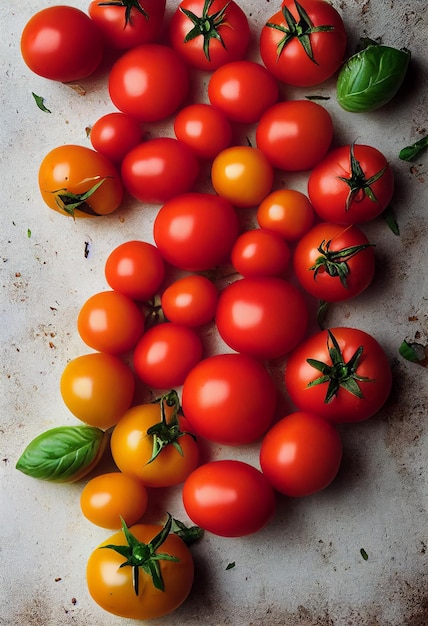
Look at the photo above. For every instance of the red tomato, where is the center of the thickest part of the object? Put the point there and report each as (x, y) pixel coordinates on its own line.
(204, 128)
(158, 169)
(61, 43)
(115, 134)
(190, 300)
(301, 454)
(262, 316)
(149, 82)
(260, 252)
(243, 90)
(209, 33)
(352, 184)
(342, 374)
(136, 269)
(304, 43)
(165, 355)
(229, 399)
(125, 24)
(196, 231)
(295, 135)
(228, 498)
(286, 211)
(110, 322)
(334, 263)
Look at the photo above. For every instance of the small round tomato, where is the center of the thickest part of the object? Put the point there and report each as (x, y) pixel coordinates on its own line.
(295, 135)
(109, 497)
(149, 82)
(110, 322)
(125, 24)
(152, 442)
(97, 388)
(136, 269)
(229, 498)
(287, 212)
(262, 315)
(243, 175)
(342, 374)
(61, 43)
(158, 169)
(204, 128)
(190, 300)
(196, 231)
(229, 399)
(243, 90)
(209, 33)
(352, 184)
(304, 43)
(260, 252)
(165, 355)
(80, 182)
(333, 262)
(115, 134)
(301, 454)
(121, 578)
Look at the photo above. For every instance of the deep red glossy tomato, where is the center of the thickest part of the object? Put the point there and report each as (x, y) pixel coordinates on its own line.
(209, 33)
(260, 252)
(243, 90)
(262, 316)
(158, 169)
(342, 374)
(61, 43)
(286, 211)
(196, 231)
(149, 82)
(229, 399)
(301, 454)
(304, 43)
(190, 300)
(115, 134)
(352, 184)
(228, 498)
(295, 135)
(204, 128)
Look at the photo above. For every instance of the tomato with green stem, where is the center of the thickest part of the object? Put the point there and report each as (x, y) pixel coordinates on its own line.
(288, 212)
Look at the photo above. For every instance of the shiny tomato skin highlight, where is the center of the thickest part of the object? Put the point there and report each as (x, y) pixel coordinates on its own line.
(115, 134)
(260, 252)
(288, 212)
(190, 300)
(204, 128)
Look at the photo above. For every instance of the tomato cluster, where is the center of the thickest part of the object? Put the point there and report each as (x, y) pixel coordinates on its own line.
(207, 270)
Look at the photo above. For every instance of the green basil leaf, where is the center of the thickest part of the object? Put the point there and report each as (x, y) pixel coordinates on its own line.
(63, 454)
(40, 101)
(409, 153)
(371, 78)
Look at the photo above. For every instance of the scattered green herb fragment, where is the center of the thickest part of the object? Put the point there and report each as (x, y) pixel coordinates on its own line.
(414, 352)
(389, 217)
(364, 554)
(188, 534)
(230, 565)
(409, 153)
(28, 233)
(40, 101)
(317, 97)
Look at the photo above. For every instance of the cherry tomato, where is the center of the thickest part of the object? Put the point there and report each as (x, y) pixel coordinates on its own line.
(204, 128)
(260, 252)
(287, 212)
(342, 374)
(190, 300)
(352, 184)
(243, 175)
(152, 442)
(136, 269)
(113, 585)
(165, 355)
(196, 231)
(243, 90)
(229, 399)
(79, 182)
(301, 454)
(304, 43)
(149, 82)
(115, 134)
(97, 388)
(125, 24)
(333, 262)
(61, 43)
(209, 33)
(295, 135)
(262, 316)
(109, 497)
(110, 322)
(229, 498)
(158, 169)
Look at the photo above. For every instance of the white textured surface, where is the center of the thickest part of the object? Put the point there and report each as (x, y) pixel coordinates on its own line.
(305, 568)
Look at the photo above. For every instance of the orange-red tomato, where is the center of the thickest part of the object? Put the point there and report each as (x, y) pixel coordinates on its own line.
(286, 211)
(191, 300)
(204, 128)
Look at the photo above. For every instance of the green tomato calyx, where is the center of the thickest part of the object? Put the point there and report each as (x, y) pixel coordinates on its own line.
(69, 201)
(359, 185)
(128, 5)
(206, 25)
